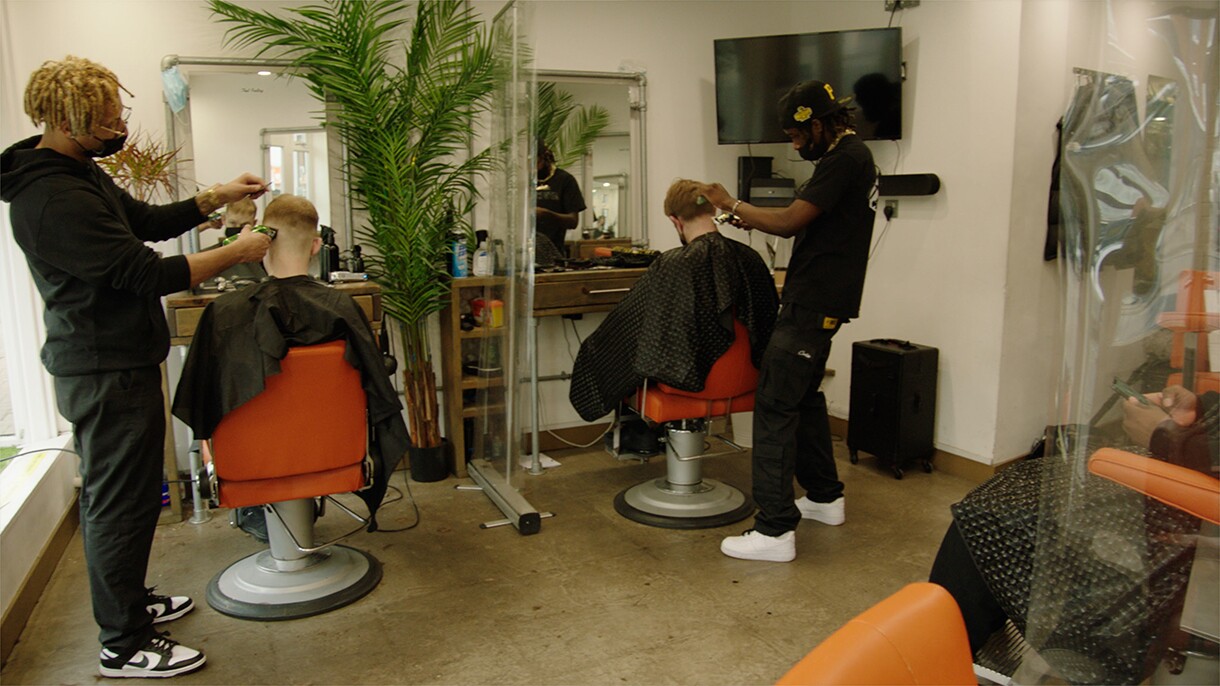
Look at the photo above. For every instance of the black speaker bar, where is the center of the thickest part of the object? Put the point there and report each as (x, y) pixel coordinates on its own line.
(908, 184)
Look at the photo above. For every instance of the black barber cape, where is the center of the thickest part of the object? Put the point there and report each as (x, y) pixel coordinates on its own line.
(675, 323)
(243, 335)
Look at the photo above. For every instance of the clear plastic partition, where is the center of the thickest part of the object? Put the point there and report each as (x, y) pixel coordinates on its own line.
(501, 414)
(1122, 587)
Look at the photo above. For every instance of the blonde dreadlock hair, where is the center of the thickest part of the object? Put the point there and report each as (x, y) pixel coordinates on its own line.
(74, 90)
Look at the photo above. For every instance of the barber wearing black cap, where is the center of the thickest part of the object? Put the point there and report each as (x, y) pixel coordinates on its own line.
(832, 220)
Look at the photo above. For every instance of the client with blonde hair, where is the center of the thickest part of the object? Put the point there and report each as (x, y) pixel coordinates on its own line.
(678, 318)
(253, 328)
(239, 214)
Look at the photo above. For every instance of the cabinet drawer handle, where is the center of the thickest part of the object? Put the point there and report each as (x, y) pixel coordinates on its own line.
(603, 291)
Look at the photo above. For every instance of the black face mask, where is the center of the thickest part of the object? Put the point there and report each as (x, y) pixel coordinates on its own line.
(812, 151)
(109, 147)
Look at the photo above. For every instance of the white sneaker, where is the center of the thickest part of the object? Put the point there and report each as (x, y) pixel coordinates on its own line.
(755, 546)
(160, 657)
(831, 513)
(166, 608)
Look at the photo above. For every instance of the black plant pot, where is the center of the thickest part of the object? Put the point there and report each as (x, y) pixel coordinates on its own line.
(429, 464)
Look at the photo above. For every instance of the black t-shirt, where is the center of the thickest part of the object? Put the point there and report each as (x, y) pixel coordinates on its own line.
(826, 272)
(560, 194)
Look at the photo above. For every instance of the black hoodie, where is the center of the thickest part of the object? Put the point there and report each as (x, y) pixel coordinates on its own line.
(83, 238)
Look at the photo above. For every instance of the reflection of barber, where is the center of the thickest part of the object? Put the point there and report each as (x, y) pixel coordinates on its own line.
(560, 201)
(106, 336)
(832, 220)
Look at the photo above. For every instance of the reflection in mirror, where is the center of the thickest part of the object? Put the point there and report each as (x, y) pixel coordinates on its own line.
(609, 203)
(616, 156)
(295, 162)
(237, 111)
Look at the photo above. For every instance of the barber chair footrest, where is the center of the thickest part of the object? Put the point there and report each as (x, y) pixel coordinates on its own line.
(710, 505)
(251, 588)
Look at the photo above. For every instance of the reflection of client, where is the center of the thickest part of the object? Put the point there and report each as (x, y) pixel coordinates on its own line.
(252, 329)
(1020, 534)
(560, 201)
(678, 318)
(238, 215)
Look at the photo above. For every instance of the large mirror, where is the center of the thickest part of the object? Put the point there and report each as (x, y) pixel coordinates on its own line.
(251, 115)
(612, 176)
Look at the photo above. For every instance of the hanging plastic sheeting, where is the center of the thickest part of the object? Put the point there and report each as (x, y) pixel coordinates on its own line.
(1109, 573)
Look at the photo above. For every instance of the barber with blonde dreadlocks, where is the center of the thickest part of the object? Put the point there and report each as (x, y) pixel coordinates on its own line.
(832, 220)
(84, 239)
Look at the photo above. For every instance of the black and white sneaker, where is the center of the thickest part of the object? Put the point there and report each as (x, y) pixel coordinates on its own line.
(168, 608)
(160, 657)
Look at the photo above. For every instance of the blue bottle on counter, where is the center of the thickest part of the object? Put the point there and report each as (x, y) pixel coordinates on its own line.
(458, 265)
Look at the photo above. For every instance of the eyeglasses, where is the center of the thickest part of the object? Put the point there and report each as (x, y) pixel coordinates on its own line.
(124, 117)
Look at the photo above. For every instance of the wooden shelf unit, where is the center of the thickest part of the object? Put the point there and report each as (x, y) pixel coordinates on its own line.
(555, 293)
(456, 346)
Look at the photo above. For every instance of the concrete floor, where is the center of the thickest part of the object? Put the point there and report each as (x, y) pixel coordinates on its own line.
(592, 599)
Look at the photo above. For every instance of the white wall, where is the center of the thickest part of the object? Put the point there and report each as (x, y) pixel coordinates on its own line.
(947, 272)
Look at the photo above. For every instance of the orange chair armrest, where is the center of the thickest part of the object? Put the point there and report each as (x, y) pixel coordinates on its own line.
(1186, 489)
(915, 636)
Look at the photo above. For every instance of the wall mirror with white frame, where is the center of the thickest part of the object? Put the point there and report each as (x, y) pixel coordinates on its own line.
(251, 115)
(613, 176)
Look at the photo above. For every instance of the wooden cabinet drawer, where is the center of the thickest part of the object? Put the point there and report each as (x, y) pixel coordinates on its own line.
(589, 292)
(183, 321)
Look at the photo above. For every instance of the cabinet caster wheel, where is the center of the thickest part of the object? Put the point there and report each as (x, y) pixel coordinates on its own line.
(927, 466)
(898, 473)
(854, 456)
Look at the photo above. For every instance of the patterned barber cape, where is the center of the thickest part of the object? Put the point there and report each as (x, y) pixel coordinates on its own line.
(675, 323)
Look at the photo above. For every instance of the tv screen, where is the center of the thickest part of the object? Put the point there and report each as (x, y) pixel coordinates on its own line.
(753, 73)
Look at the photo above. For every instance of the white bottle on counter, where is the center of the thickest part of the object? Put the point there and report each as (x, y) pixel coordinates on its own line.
(482, 260)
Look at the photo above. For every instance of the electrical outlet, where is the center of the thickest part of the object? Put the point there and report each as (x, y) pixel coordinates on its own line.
(891, 5)
(891, 208)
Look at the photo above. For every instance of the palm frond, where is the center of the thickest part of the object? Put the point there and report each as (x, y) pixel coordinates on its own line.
(406, 112)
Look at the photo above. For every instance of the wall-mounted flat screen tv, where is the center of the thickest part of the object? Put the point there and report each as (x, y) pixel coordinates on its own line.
(753, 73)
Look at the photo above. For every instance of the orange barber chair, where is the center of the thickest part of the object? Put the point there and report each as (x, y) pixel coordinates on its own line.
(916, 636)
(1196, 494)
(304, 437)
(683, 499)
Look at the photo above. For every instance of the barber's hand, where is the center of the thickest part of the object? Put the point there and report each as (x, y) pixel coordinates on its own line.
(717, 195)
(1139, 421)
(246, 185)
(251, 247)
(1181, 404)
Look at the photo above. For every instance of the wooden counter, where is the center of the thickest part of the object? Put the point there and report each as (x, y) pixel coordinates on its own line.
(183, 310)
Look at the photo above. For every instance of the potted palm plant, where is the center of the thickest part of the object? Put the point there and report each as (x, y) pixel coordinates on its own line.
(568, 127)
(404, 93)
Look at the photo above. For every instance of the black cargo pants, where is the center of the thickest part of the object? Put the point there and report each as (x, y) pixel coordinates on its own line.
(791, 425)
(119, 424)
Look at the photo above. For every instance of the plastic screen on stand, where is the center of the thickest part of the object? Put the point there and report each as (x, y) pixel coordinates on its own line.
(1102, 580)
